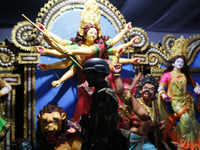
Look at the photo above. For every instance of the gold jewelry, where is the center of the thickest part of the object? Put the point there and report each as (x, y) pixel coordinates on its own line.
(179, 79)
(90, 15)
(64, 42)
(127, 111)
(59, 80)
(176, 70)
(117, 74)
(1, 94)
(92, 48)
(162, 84)
(117, 55)
(49, 66)
(180, 48)
(2, 83)
(128, 95)
(147, 108)
(111, 41)
(162, 92)
(80, 59)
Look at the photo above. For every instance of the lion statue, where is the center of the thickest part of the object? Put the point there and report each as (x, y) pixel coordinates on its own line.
(52, 129)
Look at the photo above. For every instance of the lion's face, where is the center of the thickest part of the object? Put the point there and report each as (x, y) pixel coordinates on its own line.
(51, 125)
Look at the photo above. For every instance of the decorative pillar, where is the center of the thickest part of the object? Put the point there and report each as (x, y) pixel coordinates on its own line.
(29, 60)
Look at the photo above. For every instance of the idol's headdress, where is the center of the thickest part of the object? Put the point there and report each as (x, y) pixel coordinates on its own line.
(180, 48)
(90, 15)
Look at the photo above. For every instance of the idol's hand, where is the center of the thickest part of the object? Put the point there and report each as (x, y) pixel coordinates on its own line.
(71, 130)
(43, 67)
(126, 125)
(46, 35)
(67, 51)
(197, 89)
(134, 40)
(162, 125)
(117, 68)
(56, 84)
(42, 27)
(166, 97)
(121, 50)
(41, 49)
(128, 27)
(136, 60)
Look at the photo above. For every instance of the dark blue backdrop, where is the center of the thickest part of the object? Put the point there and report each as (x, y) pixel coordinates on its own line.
(157, 17)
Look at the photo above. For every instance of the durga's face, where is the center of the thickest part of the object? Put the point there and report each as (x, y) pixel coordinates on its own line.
(91, 34)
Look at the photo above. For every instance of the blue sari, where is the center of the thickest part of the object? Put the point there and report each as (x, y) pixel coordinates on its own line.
(140, 143)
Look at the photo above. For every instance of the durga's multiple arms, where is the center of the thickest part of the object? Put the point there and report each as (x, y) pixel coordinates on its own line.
(55, 44)
(70, 73)
(48, 36)
(61, 51)
(42, 29)
(120, 35)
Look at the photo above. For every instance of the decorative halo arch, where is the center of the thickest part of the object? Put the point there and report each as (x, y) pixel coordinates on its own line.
(54, 9)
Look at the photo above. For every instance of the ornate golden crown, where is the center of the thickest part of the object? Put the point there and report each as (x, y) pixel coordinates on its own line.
(180, 48)
(90, 15)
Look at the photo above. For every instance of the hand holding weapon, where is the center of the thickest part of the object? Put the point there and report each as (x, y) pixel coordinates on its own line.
(52, 41)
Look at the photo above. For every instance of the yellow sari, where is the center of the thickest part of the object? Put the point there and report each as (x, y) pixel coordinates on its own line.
(187, 131)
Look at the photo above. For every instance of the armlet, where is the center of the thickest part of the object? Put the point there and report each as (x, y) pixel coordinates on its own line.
(2, 83)
(109, 42)
(128, 96)
(162, 84)
(161, 92)
(65, 42)
(94, 49)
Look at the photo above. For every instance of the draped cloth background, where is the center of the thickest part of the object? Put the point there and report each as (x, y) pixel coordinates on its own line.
(156, 17)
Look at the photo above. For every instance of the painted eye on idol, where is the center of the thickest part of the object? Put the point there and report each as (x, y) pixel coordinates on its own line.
(55, 121)
(91, 34)
(179, 63)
